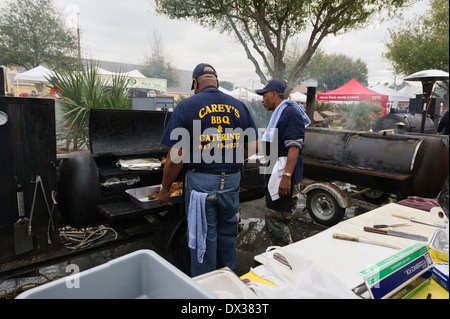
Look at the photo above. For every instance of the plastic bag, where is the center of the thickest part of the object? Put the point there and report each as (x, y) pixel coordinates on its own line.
(306, 280)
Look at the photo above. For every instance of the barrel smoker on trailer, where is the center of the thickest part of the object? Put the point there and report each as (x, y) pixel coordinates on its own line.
(406, 123)
(87, 188)
(399, 164)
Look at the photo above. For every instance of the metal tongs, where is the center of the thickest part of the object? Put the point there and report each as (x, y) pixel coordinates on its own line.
(38, 180)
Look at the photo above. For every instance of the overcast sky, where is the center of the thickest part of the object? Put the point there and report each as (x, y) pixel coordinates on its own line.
(122, 31)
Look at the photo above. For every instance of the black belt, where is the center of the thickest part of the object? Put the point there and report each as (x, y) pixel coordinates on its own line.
(217, 173)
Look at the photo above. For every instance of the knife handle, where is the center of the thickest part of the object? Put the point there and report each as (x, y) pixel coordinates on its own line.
(345, 237)
(375, 230)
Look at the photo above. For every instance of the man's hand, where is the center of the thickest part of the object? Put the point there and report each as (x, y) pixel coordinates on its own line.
(285, 186)
(163, 198)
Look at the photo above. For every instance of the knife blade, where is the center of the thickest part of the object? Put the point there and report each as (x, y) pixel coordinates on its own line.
(415, 220)
(395, 233)
(357, 239)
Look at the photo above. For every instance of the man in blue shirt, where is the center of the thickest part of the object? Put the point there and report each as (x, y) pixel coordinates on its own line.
(286, 129)
(210, 133)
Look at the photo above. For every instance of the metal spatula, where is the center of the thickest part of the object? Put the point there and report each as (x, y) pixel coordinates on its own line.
(22, 242)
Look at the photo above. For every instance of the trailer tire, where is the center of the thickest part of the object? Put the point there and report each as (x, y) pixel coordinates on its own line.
(375, 197)
(182, 253)
(323, 207)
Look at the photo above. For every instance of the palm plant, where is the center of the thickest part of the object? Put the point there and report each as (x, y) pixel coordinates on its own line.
(82, 90)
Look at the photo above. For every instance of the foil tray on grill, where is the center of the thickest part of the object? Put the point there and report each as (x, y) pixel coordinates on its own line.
(139, 196)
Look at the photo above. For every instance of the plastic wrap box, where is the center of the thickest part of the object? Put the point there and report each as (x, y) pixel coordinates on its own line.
(140, 275)
(440, 274)
(400, 276)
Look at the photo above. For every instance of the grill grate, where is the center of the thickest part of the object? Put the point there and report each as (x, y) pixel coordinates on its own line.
(118, 209)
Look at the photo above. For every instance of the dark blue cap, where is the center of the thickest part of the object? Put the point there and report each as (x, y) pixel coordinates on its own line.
(273, 85)
(200, 70)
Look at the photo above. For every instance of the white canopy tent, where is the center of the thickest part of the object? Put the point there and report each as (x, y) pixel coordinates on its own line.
(38, 74)
(297, 96)
(131, 74)
(103, 71)
(137, 80)
(224, 90)
(408, 91)
(135, 74)
(243, 94)
(394, 95)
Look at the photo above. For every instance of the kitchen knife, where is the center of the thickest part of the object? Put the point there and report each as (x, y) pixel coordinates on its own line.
(395, 233)
(357, 239)
(415, 220)
(392, 225)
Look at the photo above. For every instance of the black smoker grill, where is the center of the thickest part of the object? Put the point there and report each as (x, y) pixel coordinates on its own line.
(27, 157)
(92, 186)
(404, 165)
(88, 187)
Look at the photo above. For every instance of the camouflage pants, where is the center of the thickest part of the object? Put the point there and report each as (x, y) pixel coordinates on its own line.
(277, 222)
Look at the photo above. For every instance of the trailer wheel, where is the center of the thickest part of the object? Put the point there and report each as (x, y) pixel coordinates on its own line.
(375, 197)
(323, 207)
(182, 253)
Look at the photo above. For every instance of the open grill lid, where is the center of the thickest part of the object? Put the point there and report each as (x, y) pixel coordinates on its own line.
(126, 132)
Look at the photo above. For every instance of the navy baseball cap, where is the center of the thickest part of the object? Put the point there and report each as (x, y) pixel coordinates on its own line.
(200, 70)
(273, 85)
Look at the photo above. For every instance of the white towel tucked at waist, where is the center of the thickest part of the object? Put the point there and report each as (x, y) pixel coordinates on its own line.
(275, 178)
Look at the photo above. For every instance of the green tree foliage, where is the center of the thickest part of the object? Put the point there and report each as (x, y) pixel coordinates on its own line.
(32, 33)
(263, 27)
(156, 65)
(334, 70)
(423, 43)
(227, 85)
(82, 90)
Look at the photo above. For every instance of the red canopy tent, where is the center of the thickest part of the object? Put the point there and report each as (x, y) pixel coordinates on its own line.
(351, 92)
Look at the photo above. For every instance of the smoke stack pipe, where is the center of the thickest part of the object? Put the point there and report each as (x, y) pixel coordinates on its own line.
(2, 82)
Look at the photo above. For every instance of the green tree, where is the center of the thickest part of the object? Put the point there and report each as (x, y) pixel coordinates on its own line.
(423, 43)
(227, 85)
(32, 33)
(156, 65)
(263, 27)
(334, 70)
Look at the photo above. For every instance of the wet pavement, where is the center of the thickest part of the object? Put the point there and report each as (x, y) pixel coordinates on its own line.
(251, 242)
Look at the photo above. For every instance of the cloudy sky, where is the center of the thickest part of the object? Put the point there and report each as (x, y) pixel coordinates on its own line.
(122, 31)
